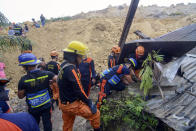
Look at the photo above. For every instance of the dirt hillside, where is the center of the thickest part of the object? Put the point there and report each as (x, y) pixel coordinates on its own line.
(100, 34)
(152, 11)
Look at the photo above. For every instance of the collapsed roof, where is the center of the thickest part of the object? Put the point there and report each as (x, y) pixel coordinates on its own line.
(177, 110)
(178, 77)
(173, 44)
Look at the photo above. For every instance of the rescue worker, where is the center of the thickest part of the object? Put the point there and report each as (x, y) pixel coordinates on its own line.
(115, 78)
(26, 28)
(113, 57)
(4, 107)
(139, 56)
(17, 29)
(73, 100)
(10, 31)
(53, 66)
(34, 86)
(35, 23)
(14, 121)
(88, 74)
(3, 81)
(43, 20)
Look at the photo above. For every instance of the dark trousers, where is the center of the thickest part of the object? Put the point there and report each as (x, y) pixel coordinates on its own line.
(46, 118)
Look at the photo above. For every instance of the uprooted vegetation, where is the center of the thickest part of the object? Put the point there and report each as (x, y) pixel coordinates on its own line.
(146, 73)
(129, 110)
(126, 113)
(7, 42)
(13, 45)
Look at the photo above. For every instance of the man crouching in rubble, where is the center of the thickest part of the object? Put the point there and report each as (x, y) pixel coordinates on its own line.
(115, 78)
(73, 100)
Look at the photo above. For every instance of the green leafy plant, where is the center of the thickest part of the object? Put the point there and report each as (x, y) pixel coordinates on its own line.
(146, 73)
(65, 18)
(129, 111)
(7, 43)
(176, 14)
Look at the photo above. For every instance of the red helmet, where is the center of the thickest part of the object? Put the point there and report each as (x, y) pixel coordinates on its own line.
(116, 49)
(140, 50)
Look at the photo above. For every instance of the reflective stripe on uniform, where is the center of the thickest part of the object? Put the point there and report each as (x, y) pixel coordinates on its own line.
(101, 93)
(89, 60)
(114, 82)
(132, 62)
(115, 79)
(38, 96)
(105, 72)
(41, 104)
(42, 77)
(102, 75)
(17, 28)
(114, 62)
(79, 84)
(111, 65)
(29, 80)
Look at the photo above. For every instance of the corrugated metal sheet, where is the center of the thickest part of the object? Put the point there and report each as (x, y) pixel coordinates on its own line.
(189, 69)
(193, 51)
(179, 109)
(187, 33)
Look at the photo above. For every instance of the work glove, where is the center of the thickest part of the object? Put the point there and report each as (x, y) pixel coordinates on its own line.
(92, 106)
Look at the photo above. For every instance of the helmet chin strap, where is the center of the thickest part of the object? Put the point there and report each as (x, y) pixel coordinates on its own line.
(26, 68)
(76, 62)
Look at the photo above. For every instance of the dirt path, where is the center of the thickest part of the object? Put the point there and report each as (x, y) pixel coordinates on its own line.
(80, 123)
(57, 121)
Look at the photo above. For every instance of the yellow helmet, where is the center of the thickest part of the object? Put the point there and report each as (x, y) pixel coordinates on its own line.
(76, 47)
